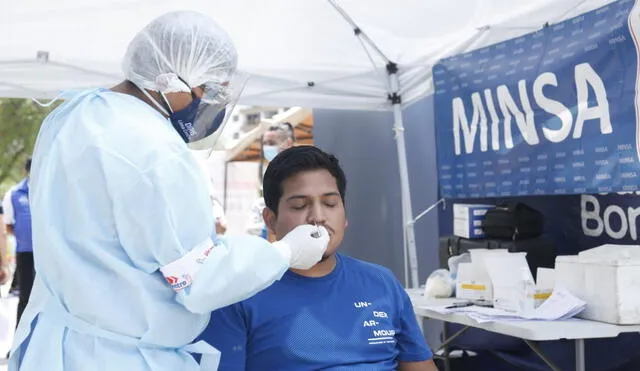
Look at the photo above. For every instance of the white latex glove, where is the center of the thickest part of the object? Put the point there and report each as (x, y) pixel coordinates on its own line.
(304, 245)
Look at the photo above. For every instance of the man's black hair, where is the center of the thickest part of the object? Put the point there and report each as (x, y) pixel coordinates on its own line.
(27, 165)
(293, 161)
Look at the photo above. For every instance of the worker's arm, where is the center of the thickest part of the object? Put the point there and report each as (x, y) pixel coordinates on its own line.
(235, 269)
(167, 229)
(8, 217)
(428, 365)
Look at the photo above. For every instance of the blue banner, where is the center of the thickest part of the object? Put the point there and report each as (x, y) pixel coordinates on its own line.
(576, 222)
(549, 113)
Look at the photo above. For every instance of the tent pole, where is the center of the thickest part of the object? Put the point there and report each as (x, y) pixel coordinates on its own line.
(395, 97)
(410, 253)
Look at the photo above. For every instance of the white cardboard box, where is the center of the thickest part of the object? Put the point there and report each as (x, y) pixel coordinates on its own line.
(606, 278)
(611, 276)
(467, 220)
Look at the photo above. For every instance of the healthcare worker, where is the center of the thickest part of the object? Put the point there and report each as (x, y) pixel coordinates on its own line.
(130, 266)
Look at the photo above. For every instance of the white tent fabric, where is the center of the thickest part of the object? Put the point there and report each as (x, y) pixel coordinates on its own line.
(286, 45)
(298, 52)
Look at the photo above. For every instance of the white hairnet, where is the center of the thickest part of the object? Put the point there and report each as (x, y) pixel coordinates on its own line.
(180, 45)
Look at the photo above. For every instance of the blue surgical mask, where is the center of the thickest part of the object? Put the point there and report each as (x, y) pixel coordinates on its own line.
(198, 120)
(183, 119)
(270, 152)
(190, 123)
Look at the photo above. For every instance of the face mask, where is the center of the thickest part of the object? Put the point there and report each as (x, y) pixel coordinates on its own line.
(188, 121)
(183, 120)
(196, 121)
(270, 152)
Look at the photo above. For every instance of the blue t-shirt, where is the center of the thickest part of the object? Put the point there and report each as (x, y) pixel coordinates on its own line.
(22, 217)
(356, 318)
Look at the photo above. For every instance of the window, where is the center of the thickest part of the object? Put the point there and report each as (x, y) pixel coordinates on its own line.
(269, 114)
(253, 119)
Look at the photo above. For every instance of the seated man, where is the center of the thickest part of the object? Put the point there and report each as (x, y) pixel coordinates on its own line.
(343, 314)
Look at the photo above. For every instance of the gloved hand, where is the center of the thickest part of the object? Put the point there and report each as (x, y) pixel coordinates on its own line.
(301, 248)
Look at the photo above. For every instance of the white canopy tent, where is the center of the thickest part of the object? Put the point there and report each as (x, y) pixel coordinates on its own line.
(345, 54)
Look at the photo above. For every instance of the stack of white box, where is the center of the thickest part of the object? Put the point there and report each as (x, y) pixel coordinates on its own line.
(467, 220)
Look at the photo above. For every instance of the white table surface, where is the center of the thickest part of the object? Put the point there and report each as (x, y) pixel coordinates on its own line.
(528, 330)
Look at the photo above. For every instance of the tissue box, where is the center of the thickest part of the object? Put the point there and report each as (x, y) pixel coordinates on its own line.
(467, 220)
(611, 274)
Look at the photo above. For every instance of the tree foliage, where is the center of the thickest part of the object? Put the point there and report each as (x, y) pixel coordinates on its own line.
(20, 120)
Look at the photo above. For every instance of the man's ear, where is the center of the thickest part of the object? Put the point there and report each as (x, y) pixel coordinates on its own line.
(269, 219)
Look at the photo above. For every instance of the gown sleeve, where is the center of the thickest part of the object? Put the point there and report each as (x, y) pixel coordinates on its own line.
(165, 224)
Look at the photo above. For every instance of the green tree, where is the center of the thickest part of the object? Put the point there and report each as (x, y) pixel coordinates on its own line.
(20, 120)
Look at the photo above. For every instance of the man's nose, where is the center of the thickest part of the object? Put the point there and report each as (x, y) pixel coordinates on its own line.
(317, 215)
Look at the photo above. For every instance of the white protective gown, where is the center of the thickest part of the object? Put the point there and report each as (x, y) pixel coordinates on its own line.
(116, 196)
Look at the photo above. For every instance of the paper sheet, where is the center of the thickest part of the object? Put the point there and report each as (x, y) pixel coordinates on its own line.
(560, 306)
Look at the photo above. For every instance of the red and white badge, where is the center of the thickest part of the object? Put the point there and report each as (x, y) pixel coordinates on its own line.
(179, 273)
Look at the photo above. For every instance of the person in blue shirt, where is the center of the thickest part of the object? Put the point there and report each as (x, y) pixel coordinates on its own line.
(17, 218)
(342, 314)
